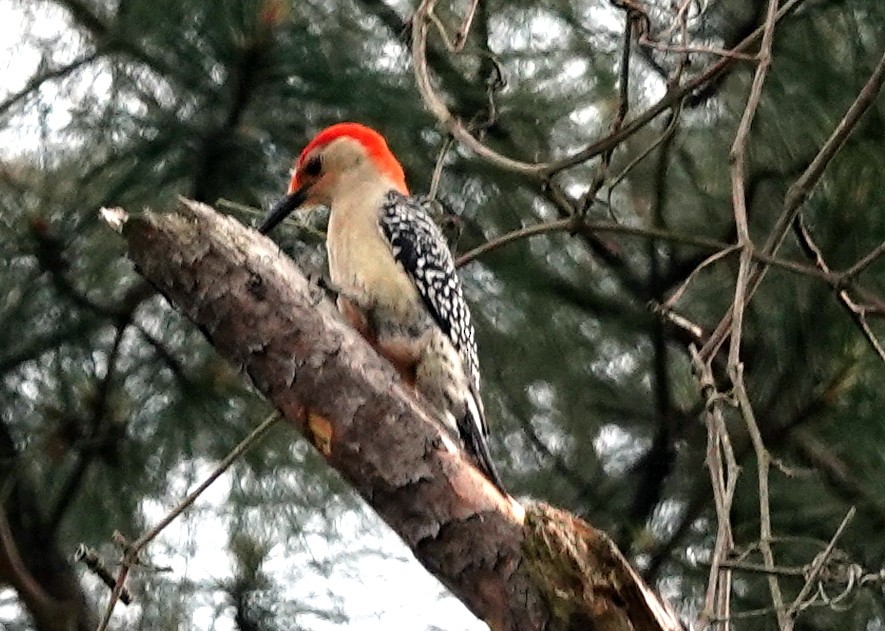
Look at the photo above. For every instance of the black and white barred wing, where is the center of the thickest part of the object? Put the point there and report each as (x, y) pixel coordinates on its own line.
(419, 246)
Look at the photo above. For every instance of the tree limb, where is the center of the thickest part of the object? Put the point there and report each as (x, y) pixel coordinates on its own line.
(515, 567)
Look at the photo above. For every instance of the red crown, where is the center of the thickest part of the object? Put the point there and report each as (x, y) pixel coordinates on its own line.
(370, 139)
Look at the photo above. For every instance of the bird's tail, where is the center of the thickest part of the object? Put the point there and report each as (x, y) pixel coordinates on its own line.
(473, 433)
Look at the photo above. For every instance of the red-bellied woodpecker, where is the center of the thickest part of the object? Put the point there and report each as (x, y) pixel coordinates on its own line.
(394, 273)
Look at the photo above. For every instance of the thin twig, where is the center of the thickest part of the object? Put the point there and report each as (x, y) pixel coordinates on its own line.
(571, 224)
(864, 263)
(132, 551)
(735, 365)
(684, 57)
(713, 258)
(46, 75)
(763, 464)
(116, 593)
(857, 312)
(624, 78)
(464, 30)
(744, 615)
(438, 108)
(441, 29)
(801, 189)
(623, 108)
(438, 167)
(816, 568)
(223, 466)
(701, 50)
(668, 131)
(679, 20)
(678, 320)
(544, 170)
(91, 559)
(738, 195)
(723, 479)
(756, 568)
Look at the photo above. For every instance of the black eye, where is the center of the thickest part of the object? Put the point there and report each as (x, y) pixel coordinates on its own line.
(312, 167)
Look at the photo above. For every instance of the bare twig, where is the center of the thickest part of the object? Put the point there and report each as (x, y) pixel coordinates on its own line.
(438, 167)
(665, 135)
(623, 78)
(701, 50)
(577, 225)
(680, 19)
(763, 464)
(744, 566)
(713, 258)
(744, 615)
(817, 567)
(678, 320)
(864, 263)
(571, 224)
(90, 558)
(738, 196)
(826, 568)
(438, 108)
(116, 594)
(130, 556)
(801, 189)
(735, 365)
(857, 312)
(602, 170)
(544, 170)
(723, 478)
(42, 77)
(223, 466)
(462, 32)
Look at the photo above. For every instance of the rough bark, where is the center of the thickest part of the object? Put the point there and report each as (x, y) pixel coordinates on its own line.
(520, 568)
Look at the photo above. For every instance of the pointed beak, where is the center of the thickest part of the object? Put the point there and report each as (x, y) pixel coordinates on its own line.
(283, 209)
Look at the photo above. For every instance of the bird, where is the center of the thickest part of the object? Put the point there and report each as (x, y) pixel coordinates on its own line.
(394, 274)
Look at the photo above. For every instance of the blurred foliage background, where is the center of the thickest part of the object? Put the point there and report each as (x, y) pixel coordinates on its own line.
(112, 404)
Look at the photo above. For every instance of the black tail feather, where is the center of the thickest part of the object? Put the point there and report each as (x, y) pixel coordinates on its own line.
(477, 447)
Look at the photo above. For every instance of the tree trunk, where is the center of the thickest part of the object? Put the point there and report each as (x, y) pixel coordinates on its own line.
(30, 561)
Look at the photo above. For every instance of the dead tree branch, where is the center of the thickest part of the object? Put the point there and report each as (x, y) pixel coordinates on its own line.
(515, 567)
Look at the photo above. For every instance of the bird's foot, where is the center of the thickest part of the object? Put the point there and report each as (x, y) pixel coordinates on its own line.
(319, 287)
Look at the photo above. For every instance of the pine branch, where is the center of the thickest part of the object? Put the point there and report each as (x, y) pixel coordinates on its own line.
(515, 567)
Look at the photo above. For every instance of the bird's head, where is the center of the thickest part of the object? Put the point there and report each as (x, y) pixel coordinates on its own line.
(339, 156)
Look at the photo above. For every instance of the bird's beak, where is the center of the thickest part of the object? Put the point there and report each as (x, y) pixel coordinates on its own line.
(284, 208)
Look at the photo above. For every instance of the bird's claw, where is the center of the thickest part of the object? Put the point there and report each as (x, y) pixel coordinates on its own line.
(317, 288)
